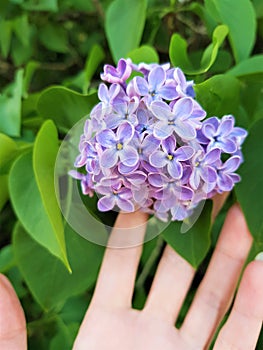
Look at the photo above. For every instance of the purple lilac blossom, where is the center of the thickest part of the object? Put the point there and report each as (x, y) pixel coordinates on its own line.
(147, 144)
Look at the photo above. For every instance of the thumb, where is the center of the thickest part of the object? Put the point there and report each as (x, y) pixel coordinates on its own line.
(12, 318)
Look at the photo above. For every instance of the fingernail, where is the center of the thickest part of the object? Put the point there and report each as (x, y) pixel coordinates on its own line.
(259, 256)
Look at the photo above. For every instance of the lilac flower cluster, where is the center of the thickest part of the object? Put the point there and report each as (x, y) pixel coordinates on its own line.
(148, 146)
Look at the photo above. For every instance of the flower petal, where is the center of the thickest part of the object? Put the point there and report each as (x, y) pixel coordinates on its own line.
(194, 179)
(169, 144)
(150, 144)
(161, 110)
(225, 182)
(185, 130)
(125, 132)
(184, 193)
(168, 92)
(124, 169)
(125, 205)
(113, 120)
(212, 156)
(129, 156)
(125, 193)
(180, 77)
(175, 169)
(156, 78)
(183, 108)
(157, 179)
(228, 145)
(208, 174)
(158, 159)
(109, 158)
(141, 86)
(179, 212)
(162, 130)
(226, 125)
(106, 138)
(106, 203)
(231, 164)
(137, 178)
(124, 69)
(103, 92)
(184, 153)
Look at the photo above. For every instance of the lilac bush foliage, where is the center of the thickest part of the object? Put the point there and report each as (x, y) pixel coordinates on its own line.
(148, 145)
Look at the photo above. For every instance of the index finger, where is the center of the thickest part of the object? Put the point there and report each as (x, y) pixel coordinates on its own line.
(117, 275)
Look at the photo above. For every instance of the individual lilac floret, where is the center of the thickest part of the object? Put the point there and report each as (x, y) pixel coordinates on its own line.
(147, 145)
(90, 158)
(156, 88)
(226, 176)
(114, 194)
(171, 157)
(106, 97)
(119, 74)
(183, 87)
(176, 120)
(117, 146)
(86, 182)
(124, 111)
(221, 133)
(204, 169)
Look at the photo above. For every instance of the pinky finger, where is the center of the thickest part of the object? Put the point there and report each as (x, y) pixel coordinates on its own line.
(243, 326)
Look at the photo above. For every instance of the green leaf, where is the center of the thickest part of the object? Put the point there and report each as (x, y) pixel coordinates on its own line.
(8, 150)
(144, 53)
(178, 54)
(7, 260)
(179, 57)
(252, 96)
(66, 107)
(22, 30)
(258, 6)
(210, 53)
(30, 69)
(20, 53)
(10, 106)
(65, 335)
(40, 5)
(30, 209)
(252, 65)
(250, 190)
(44, 158)
(46, 277)
(239, 16)
(219, 95)
(194, 244)
(4, 195)
(96, 56)
(54, 37)
(124, 26)
(5, 37)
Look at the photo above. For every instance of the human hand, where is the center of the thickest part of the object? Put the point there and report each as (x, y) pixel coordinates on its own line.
(111, 323)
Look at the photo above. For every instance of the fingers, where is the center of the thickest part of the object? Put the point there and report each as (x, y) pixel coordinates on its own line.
(12, 319)
(170, 286)
(218, 202)
(215, 293)
(242, 329)
(119, 267)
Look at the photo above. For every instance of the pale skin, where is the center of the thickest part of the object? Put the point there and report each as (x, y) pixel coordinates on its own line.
(111, 323)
